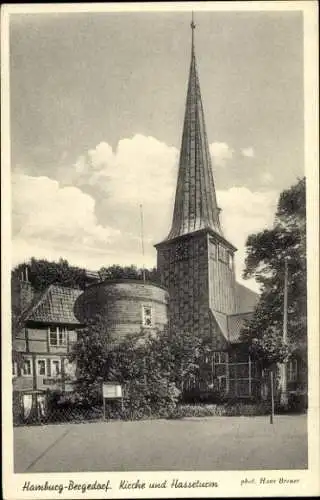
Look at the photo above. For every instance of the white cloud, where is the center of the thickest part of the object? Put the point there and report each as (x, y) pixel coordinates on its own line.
(249, 152)
(221, 153)
(141, 170)
(50, 221)
(245, 212)
(134, 172)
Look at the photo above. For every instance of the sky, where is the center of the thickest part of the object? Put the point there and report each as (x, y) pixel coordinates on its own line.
(96, 111)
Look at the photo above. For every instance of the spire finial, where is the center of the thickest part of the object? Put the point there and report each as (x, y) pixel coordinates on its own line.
(193, 27)
(192, 22)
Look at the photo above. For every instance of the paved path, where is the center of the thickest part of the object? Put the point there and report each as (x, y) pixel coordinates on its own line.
(216, 443)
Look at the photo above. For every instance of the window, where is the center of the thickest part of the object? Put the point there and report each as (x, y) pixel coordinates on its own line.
(147, 316)
(292, 370)
(57, 336)
(55, 367)
(222, 383)
(223, 254)
(213, 250)
(219, 357)
(230, 260)
(14, 369)
(27, 368)
(41, 367)
(181, 251)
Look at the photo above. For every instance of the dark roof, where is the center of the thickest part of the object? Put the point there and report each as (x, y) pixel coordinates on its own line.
(222, 321)
(195, 201)
(56, 305)
(124, 281)
(235, 324)
(230, 325)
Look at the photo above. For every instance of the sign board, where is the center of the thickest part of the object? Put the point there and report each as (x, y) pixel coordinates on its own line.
(111, 391)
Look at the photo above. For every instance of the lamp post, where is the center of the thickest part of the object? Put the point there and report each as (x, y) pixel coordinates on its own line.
(283, 367)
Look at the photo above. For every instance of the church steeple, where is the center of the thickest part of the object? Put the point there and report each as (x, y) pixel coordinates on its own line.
(195, 202)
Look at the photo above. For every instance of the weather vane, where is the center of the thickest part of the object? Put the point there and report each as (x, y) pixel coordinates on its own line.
(192, 23)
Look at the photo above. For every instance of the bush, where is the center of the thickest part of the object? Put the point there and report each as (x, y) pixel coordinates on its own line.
(220, 410)
(201, 397)
(297, 402)
(155, 399)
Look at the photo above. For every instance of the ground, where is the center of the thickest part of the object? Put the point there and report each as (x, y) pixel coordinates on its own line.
(216, 443)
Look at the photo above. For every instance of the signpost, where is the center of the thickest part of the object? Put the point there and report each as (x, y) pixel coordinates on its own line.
(113, 391)
(272, 397)
(283, 367)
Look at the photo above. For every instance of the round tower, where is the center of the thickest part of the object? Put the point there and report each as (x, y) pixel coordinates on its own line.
(128, 306)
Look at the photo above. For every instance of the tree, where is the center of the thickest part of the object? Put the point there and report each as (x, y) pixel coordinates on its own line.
(151, 368)
(180, 352)
(94, 356)
(266, 253)
(128, 272)
(43, 273)
(133, 361)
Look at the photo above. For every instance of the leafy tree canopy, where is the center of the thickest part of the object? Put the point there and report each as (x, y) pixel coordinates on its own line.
(131, 272)
(152, 368)
(42, 273)
(265, 261)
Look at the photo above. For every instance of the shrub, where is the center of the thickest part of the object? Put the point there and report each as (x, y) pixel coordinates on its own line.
(297, 402)
(155, 399)
(219, 410)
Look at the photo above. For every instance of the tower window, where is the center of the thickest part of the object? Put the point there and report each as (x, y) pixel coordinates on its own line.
(213, 250)
(230, 260)
(223, 254)
(147, 316)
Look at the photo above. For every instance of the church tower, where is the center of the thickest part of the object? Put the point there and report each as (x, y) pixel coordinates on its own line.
(196, 261)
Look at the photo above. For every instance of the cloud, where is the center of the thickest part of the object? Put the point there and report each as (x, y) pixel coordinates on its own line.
(133, 172)
(221, 153)
(96, 222)
(245, 212)
(140, 171)
(52, 221)
(249, 152)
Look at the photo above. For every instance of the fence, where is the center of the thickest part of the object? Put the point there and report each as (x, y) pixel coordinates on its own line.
(225, 379)
(38, 410)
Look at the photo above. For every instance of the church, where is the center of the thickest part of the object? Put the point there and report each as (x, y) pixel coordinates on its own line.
(196, 261)
(198, 291)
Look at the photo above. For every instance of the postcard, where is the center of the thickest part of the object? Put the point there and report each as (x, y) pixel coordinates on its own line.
(160, 264)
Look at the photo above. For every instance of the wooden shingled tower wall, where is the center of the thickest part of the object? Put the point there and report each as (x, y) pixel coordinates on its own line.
(195, 261)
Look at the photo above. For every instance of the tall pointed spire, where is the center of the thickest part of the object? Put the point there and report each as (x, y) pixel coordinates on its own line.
(195, 202)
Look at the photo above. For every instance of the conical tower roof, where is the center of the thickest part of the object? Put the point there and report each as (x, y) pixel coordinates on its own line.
(195, 202)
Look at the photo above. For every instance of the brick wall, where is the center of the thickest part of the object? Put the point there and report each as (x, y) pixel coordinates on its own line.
(197, 280)
(121, 304)
(183, 268)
